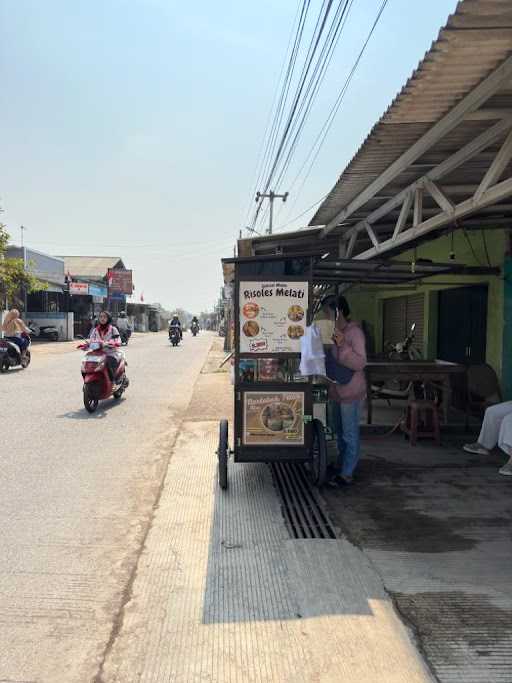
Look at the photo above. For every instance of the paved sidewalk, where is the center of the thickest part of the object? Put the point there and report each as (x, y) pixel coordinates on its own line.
(222, 594)
(435, 523)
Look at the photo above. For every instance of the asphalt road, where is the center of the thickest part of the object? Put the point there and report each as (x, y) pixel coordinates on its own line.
(77, 497)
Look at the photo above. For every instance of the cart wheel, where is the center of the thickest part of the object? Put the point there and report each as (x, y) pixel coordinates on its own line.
(222, 453)
(317, 467)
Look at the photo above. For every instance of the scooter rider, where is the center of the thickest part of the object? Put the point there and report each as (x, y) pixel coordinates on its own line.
(123, 325)
(195, 322)
(175, 322)
(108, 334)
(15, 330)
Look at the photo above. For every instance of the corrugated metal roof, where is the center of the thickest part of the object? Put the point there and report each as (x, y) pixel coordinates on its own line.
(474, 42)
(91, 266)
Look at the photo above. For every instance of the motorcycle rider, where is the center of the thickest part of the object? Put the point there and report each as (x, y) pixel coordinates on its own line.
(123, 325)
(194, 322)
(175, 322)
(108, 334)
(15, 330)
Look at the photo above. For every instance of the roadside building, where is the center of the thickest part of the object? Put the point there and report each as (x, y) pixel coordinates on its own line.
(93, 285)
(431, 187)
(49, 306)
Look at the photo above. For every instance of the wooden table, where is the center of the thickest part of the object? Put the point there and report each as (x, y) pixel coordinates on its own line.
(435, 371)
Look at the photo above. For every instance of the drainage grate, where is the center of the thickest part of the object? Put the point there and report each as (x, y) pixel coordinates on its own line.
(302, 510)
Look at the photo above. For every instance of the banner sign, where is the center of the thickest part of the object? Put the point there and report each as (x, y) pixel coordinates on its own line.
(117, 296)
(78, 288)
(272, 316)
(120, 281)
(97, 290)
(274, 418)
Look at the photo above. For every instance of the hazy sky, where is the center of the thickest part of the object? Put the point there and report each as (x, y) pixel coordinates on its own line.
(133, 127)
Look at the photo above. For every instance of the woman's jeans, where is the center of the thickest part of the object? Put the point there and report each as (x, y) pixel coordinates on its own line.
(346, 423)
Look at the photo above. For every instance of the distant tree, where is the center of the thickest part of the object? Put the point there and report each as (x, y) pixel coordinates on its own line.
(13, 276)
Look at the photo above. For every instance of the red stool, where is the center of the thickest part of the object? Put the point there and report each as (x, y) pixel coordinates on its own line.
(422, 421)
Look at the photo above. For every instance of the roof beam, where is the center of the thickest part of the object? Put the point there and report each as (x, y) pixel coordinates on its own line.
(471, 102)
(494, 194)
(441, 199)
(404, 212)
(418, 206)
(372, 235)
(497, 167)
(460, 157)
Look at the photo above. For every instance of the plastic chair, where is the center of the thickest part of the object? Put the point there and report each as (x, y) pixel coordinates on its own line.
(483, 388)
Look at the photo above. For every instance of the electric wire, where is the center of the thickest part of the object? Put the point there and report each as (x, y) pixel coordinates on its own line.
(326, 127)
(264, 141)
(313, 45)
(312, 76)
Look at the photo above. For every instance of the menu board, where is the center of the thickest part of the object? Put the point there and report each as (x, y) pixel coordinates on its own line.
(274, 418)
(272, 316)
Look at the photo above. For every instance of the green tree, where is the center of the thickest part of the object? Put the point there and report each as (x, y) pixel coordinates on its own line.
(13, 276)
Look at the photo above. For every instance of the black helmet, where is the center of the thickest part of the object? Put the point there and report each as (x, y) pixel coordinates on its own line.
(122, 314)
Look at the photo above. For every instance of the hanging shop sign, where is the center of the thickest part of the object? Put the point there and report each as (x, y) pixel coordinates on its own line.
(97, 291)
(120, 281)
(274, 418)
(272, 316)
(79, 288)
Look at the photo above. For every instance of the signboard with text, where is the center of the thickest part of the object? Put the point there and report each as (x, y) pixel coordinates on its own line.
(120, 281)
(97, 291)
(274, 418)
(272, 316)
(79, 288)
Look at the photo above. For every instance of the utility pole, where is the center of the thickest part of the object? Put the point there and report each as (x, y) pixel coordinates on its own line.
(271, 196)
(22, 230)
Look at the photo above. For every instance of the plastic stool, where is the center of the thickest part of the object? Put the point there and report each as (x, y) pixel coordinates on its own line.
(427, 428)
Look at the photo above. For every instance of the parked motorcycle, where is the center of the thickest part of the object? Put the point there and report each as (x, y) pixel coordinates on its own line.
(98, 385)
(400, 351)
(49, 332)
(11, 355)
(174, 335)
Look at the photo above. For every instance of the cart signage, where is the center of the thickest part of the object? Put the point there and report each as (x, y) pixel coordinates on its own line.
(272, 316)
(274, 418)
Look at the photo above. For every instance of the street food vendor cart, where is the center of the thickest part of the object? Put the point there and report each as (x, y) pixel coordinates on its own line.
(279, 414)
(274, 422)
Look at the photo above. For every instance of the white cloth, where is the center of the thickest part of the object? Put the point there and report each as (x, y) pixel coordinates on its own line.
(497, 427)
(312, 354)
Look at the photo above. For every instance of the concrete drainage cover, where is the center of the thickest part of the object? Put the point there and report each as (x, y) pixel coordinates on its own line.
(303, 512)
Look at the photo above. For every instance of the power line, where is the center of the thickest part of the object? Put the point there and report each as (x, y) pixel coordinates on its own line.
(316, 63)
(324, 131)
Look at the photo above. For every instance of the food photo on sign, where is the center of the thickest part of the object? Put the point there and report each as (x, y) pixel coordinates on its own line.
(272, 316)
(273, 417)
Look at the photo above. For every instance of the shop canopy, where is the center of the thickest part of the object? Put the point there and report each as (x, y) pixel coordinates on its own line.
(439, 158)
(327, 272)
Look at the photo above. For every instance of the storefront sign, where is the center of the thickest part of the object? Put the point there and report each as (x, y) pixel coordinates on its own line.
(97, 291)
(274, 418)
(272, 316)
(120, 281)
(117, 296)
(79, 288)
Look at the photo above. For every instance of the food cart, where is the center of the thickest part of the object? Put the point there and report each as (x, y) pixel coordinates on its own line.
(274, 419)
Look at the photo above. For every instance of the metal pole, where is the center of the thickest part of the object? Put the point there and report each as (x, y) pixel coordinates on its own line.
(271, 196)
